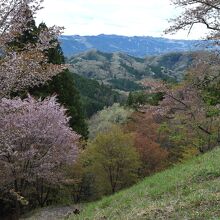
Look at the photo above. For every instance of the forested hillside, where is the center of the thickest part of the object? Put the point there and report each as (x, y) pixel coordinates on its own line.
(95, 96)
(125, 72)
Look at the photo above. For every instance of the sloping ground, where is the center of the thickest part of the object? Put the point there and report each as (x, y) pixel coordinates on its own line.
(104, 67)
(95, 96)
(187, 191)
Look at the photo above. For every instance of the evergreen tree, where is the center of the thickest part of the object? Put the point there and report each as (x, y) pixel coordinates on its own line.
(62, 85)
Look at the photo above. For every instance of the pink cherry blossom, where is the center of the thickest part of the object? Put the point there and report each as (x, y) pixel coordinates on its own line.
(35, 140)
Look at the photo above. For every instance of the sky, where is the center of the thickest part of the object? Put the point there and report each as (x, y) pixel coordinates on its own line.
(121, 17)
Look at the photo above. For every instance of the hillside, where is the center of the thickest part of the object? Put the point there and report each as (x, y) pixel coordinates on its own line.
(95, 96)
(134, 46)
(186, 191)
(111, 68)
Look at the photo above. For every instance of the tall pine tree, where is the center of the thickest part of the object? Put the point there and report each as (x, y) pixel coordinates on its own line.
(64, 86)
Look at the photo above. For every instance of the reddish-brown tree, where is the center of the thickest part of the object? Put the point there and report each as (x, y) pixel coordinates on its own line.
(145, 130)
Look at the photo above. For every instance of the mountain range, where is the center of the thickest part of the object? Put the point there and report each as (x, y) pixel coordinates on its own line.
(125, 72)
(135, 46)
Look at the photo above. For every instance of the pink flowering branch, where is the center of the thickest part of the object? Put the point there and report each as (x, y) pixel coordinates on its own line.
(35, 140)
(22, 69)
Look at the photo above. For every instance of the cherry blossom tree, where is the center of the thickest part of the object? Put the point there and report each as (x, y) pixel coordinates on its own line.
(21, 69)
(35, 139)
(184, 106)
(201, 105)
(35, 143)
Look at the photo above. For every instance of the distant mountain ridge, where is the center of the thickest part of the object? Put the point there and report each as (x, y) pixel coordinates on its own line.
(134, 46)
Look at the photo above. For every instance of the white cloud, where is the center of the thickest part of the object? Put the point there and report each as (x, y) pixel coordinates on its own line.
(122, 17)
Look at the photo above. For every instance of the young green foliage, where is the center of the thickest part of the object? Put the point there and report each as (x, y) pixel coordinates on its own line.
(104, 119)
(113, 160)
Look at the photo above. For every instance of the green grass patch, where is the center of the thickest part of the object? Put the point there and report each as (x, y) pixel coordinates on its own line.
(186, 191)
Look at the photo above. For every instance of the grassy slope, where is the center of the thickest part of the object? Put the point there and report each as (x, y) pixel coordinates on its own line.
(187, 191)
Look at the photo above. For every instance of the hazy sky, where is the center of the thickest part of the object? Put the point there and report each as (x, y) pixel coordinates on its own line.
(122, 17)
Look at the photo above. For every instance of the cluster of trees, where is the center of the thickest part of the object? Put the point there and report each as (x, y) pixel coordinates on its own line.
(146, 141)
(42, 116)
(125, 85)
(62, 84)
(106, 118)
(193, 106)
(95, 96)
(36, 140)
(140, 98)
(171, 122)
(123, 147)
